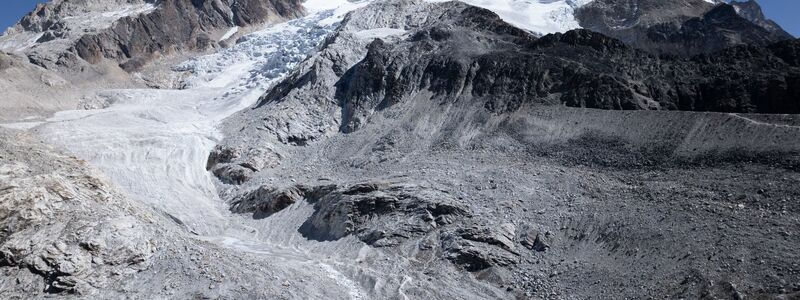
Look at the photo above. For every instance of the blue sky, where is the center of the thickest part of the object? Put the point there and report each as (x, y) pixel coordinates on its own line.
(785, 12)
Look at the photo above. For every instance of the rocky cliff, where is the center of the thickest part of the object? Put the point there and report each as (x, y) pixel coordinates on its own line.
(178, 25)
(478, 58)
(133, 32)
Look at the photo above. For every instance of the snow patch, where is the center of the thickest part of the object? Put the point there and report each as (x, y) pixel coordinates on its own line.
(371, 34)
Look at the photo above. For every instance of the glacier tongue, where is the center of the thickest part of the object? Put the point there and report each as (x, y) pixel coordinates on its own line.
(154, 143)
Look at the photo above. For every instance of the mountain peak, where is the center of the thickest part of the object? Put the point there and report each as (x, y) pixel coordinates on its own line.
(752, 11)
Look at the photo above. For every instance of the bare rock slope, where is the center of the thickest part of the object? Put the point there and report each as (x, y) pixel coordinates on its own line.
(91, 45)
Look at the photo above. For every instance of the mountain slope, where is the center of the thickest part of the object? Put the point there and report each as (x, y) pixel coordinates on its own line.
(683, 27)
(498, 67)
(91, 45)
(133, 32)
(434, 141)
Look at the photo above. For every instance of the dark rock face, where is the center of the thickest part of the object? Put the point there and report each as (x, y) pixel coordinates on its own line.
(481, 246)
(686, 27)
(720, 28)
(371, 211)
(474, 56)
(264, 201)
(176, 25)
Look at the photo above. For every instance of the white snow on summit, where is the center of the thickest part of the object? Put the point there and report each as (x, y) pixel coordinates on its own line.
(91, 19)
(538, 16)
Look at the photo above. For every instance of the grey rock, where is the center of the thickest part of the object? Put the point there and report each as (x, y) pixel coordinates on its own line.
(534, 239)
(265, 201)
(177, 25)
(379, 213)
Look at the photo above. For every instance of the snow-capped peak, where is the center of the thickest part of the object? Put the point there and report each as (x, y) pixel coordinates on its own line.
(538, 16)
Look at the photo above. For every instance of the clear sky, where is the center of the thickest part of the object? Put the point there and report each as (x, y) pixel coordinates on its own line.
(785, 12)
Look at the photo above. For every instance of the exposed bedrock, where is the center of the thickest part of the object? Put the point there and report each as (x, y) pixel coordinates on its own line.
(64, 33)
(509, 69)
(393, 214)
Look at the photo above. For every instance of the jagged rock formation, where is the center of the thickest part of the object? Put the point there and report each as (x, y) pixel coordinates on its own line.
(178, 25)
(133, 32)
(93, 45)
(684, 27)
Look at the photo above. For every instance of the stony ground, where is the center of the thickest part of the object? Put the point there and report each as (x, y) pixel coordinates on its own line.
(550, 219)
(529, 201)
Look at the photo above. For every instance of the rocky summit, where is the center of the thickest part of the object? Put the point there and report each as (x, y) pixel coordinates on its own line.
(399, 149)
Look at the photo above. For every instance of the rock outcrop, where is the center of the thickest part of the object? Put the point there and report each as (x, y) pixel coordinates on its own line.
(178, 25)
(64, 230)
(134, 32)
(751, 11)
